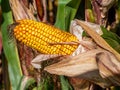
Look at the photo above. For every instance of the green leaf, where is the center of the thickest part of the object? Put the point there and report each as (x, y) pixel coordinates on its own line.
(27, 83)
(66, 12)
(9, 47)
(89, 11)
(65, 84)
(60, 20)
(91, 16)
(117, 88)
(112, 39)
(47, 84)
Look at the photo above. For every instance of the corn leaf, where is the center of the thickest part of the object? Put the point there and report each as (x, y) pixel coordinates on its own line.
(27, 83)
(47, 84)
(9, 47)
(98, 39)
(112, 39)
(66, 12)
(65, 82)
(89, 16)
(110, 34)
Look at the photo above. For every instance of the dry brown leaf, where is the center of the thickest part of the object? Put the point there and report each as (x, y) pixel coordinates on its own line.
(109, 67)
(98, 39)
(80, 84)
(20, 11)
(83, 66)
(36, 62)
(72, 66)
(100, 65)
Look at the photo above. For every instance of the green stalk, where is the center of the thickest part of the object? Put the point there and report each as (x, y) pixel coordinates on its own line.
(9, 47)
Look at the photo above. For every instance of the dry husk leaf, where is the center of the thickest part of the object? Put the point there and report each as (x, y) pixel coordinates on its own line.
(20, 11)
(100, 65)
(36, 62)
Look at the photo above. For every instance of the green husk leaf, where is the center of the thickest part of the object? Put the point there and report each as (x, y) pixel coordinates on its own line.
(9, 47)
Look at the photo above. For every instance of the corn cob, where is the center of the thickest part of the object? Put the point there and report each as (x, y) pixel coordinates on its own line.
(38, 35)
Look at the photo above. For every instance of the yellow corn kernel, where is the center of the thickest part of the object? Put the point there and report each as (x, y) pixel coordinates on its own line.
(38, 35)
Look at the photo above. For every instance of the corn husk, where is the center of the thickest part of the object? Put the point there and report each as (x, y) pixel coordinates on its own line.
(99, 65)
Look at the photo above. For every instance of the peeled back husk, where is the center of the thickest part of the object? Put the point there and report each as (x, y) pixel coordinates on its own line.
(100, 65)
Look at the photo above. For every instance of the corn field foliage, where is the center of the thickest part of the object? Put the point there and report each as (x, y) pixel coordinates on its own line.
(90, 61)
